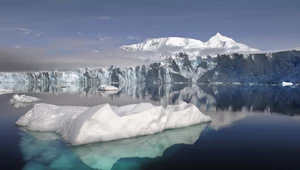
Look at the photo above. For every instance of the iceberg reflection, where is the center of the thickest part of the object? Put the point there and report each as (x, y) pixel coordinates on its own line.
(48, 151)
(105, 155)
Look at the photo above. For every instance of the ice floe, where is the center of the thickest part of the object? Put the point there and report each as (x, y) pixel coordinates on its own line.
(83, 125)
(5, 91)
(108, 88)
(287, 84)
(23, 99)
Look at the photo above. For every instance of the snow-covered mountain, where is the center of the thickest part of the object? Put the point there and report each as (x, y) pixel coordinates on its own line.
(163, 48)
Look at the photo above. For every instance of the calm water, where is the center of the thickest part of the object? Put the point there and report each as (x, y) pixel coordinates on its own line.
(253, 127)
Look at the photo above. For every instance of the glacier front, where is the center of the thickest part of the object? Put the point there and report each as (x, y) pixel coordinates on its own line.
(257, 68)
(82, 125)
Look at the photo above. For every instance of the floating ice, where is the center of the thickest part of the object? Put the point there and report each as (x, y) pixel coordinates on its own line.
(287, 84)
(82, 125)
(108, 88)
(23, 99)
(5, 91)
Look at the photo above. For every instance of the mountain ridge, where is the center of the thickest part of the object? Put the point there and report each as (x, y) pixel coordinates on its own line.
(162, 48)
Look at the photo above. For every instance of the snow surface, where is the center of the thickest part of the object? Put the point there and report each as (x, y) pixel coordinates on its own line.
(23, 99)
(163, 48)
(82, 125)
(287, 84)
(108, 88)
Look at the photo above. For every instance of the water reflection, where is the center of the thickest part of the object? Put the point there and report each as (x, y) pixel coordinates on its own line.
(285, 100)
(47, 151)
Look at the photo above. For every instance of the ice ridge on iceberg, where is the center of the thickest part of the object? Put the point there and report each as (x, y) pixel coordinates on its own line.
(82, 125)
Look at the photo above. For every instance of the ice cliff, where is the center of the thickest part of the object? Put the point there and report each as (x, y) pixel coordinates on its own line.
(260, 68)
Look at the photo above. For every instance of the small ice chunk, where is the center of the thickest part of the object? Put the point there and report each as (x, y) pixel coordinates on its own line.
(287, 84)
(23, 99)
(108, 88)
(5, 91)
(80, 125)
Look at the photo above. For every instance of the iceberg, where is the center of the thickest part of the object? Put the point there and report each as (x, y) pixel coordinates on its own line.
(23, 99)
(82, 125)
(5, 91)
(286, 84)
(108, 88)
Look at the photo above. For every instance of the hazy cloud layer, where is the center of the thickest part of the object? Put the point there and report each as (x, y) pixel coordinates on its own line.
(36, 59)
(133, 38)
(104, 18)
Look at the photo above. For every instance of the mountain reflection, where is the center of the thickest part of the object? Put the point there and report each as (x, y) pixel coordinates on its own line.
(47, 151)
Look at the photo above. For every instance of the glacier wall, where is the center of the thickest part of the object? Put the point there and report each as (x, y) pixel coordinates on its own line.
(180, 69)
(260, 68)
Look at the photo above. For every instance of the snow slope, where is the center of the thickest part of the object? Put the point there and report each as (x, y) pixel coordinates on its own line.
(162, 48)
(81, 125)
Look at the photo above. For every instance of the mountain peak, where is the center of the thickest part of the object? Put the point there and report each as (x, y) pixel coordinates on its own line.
(218, 34)
(220, 38)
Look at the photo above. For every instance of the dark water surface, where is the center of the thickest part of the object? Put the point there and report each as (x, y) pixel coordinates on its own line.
(253, 127)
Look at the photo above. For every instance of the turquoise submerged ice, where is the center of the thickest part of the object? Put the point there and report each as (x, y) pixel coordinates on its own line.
(83, 125)
(43, 150)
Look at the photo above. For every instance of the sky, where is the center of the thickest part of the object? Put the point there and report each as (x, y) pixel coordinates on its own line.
(60, 29)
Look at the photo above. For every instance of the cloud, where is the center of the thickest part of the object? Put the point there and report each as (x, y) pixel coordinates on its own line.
(104, 18)
(25, 31)
(103, 38)
(97, 51)
(133, 38)
(80, 33)
(16, 46)
(39, 34)
(36, 59)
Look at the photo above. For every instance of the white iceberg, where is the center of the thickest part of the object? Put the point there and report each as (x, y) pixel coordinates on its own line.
(82, 125)
(287, 84)
(108, 88)
(23, 99)
(5, 91)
